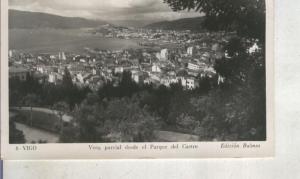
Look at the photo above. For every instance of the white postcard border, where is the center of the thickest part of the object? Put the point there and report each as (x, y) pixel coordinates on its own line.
(84, 151)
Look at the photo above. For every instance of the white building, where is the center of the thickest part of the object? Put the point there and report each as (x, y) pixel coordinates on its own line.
(95, 71)
(157, 55)
(188, 82)
(216, 47)
(62, 56)
(155, 68)
(82, 60)
(52, 78)
(193, 66)
(40, 69)
(190, 51)
(82, 77)
(254, 48)
(119, 70)
(55, 77)
(220, 79)
(10, 53)
(167, 81)
(138, 76)
(191, 83)
(155, 76)
(164, 54)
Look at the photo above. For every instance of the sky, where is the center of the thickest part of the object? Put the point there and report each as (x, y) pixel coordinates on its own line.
(108, 10)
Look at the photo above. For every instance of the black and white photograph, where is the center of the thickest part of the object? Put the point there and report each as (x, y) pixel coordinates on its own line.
(136, 71)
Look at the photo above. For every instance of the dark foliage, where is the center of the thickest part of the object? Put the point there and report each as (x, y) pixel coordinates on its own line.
(247, 17)
(15, 136)
(47, 94)
(193, 24)
(126, 88)
(234, 110)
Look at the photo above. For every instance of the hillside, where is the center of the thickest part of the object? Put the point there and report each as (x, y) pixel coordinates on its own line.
(31, 20)
(193, 24)
(132, 23)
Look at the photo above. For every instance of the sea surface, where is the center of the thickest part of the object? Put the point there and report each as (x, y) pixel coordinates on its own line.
(70, 40)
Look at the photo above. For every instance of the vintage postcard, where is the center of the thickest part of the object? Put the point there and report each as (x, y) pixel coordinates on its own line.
(114, 79)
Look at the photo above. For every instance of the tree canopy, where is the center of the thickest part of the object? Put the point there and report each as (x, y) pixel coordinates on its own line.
(246, 17)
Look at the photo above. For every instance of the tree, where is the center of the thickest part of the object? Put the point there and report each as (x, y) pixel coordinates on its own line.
(179, 105)
(246, 17)
(127, 86)
(116, 120)
(70, 134)
(14, 97)
(31, 100)
(205, 84)
(15, 136)
(67, 82)
(126, 121)
(89, 119)
(61, 108)
(233, 110)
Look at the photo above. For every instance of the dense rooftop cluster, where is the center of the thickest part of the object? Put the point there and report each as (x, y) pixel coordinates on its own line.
(164, 57)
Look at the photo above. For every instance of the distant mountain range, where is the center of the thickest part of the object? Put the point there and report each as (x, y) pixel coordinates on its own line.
(31, 20)
(132, 23)
(193, 24)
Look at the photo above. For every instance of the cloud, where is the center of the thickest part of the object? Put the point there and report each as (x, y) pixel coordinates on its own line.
(102, 9)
